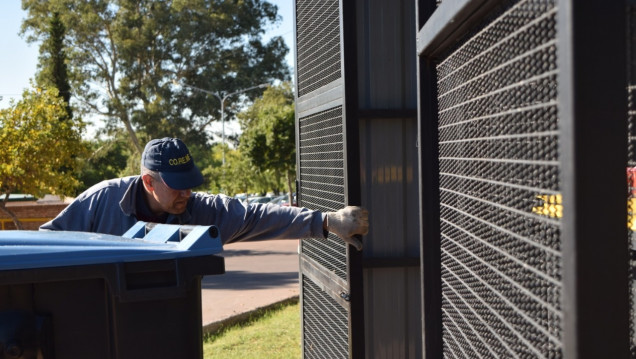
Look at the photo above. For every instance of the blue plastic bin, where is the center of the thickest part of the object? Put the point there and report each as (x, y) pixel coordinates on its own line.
(86, 295)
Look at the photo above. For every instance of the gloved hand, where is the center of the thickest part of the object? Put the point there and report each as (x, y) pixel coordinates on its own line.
(347, 222)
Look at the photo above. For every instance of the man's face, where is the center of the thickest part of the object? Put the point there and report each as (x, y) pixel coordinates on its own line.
(167, 199)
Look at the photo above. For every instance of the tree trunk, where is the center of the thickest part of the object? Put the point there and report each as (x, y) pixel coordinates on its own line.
(3, 208)
(120, 112)
(133, 135)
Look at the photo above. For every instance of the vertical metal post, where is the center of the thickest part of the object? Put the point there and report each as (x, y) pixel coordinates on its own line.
(430, 247)
(352, 172)
(592, 110)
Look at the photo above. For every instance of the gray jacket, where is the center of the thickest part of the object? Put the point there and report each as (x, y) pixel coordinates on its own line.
(109, 207)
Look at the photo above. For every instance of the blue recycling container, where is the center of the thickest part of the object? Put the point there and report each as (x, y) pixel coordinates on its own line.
(87, 295)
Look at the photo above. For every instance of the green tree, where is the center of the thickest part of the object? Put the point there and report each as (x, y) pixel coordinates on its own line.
(268, 137)
(238, 175)
(39, 151)
(52, 66)
(127, 53)
(106, 159)
(235, 177)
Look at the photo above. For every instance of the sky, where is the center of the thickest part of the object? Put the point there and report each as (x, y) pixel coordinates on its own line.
(18, 60)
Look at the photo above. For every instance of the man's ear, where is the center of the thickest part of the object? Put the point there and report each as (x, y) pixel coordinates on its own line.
(148, 182)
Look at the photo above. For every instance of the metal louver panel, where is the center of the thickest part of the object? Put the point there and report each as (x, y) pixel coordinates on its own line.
(318, 44)
(326, 146)
(321, 173)
(325, 324)
(500, 202)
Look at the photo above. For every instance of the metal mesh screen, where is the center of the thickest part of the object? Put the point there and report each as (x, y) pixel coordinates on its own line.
(321, 174)
(631, 160)
(325, 323)
(318, 44)
(500, 205)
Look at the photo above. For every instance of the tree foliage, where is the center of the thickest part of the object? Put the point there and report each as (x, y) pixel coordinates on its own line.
(268, 137)
(39, 151)
(124, 56)
(52, 69)
(107, 158)
(238, 175)
(234, 177)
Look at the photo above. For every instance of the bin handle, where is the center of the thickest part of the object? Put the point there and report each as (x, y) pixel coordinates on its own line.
(128, 288)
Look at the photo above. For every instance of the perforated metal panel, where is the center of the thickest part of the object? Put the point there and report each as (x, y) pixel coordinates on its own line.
(322, 177)
(321, 173)
(500, 203)
(318, 44)
(326, 293)
(325, 324)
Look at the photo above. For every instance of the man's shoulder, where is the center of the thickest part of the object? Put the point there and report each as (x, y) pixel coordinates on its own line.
(109, 185)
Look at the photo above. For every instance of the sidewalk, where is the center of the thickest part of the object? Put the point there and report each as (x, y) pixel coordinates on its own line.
(258, 274)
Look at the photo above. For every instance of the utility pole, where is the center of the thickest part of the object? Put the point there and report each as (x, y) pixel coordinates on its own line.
(222, 99)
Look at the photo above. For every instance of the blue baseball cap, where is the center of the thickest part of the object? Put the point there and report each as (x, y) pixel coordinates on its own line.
(171, 158)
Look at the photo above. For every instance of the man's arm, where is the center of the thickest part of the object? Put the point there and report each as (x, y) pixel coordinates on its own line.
(237, 222)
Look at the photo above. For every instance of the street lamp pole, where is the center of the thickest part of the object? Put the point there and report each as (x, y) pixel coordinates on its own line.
(222, 100)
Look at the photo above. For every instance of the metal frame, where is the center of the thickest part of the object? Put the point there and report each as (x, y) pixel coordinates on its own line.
(592, 98)
(447, 23)
(438, 28)
(352, 172)
(324, 98)
(342, 92)
(592, 81)
(430, 252)
(430, 248)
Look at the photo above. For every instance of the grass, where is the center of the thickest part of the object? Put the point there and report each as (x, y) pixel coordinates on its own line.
(268, 334)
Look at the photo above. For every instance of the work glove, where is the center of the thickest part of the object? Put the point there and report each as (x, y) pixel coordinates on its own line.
(347, 222)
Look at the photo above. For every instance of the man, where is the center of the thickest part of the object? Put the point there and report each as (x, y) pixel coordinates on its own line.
(163, 194)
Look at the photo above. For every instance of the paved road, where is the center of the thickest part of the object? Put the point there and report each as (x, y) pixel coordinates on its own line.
(258, 274)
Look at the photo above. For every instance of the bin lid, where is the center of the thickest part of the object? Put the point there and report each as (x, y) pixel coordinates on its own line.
(41, 249)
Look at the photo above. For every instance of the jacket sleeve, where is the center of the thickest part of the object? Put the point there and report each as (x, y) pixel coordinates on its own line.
(238, 222)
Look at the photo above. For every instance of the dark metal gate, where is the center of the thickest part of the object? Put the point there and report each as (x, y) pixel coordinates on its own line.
(328, 171)
(522, 108)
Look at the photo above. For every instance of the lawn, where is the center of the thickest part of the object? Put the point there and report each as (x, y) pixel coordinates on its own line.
(273, 333)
